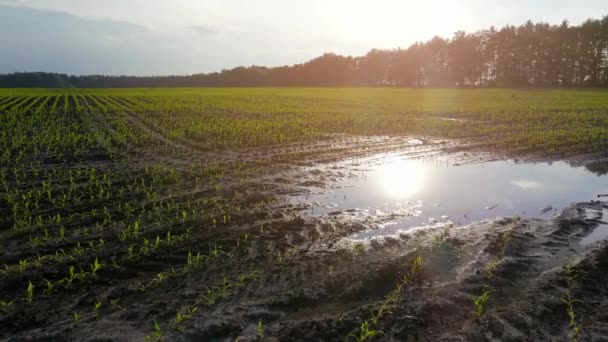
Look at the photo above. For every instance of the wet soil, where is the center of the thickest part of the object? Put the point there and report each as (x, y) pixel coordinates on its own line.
(282, 276)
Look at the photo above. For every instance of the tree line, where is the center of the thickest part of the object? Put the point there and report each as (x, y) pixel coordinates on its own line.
(532, 54)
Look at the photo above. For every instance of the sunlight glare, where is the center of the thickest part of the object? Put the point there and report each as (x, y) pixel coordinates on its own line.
(400, 178)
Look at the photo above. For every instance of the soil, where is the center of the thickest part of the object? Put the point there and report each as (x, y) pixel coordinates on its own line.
(294, 278)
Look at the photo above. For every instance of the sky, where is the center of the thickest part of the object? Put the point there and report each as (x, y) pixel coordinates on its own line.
(159, 37)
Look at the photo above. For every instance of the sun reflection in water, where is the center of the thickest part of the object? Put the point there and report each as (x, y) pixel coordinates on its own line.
(399, 178)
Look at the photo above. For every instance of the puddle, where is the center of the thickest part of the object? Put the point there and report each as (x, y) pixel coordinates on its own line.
(601, 231)
(393, 193)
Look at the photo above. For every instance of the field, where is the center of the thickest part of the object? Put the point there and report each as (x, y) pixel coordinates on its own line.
(162, 214)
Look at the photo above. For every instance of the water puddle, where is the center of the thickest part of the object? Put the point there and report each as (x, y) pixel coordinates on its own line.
(393, 193)
(600, 232)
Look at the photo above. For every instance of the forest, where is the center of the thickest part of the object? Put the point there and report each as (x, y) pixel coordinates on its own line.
(529, 55)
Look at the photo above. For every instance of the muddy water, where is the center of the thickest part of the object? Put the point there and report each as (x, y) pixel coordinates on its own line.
(392, 193)
(601, 231)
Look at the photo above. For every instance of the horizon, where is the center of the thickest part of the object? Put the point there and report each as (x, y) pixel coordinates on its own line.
(115, 40)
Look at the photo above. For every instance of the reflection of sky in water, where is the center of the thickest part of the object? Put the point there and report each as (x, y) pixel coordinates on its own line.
(422, 192)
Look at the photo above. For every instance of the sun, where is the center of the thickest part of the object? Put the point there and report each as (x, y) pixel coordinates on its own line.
(400, 178)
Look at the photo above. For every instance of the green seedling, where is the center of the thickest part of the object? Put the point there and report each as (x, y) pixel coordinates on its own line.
(210, 296)
(570, 271)
(573, 325)
(480, 302)
(157, 335)
(224, 289)
(82, 274)
(131, 252)
(490, 269)
(569, 301)
(78, 250)
(22, 265)
(76, 317)
(244, 277)
(95, 266)
(50, 288)
(29, 292)
(71, 277)
(215, 252)
(365, 332)
(181, 317)
(260, 330)
(5, 305)
(279, 257)
(161, 277)
(145, 248)
(35, 241)
(114, 303)
(440, 238)
(96, 308)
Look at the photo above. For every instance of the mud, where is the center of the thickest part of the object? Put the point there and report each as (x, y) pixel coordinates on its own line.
(292, 277)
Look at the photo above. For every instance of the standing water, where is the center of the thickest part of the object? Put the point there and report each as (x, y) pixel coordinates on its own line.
(400, 193)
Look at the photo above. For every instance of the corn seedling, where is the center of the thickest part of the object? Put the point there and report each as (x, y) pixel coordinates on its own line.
(215, 252)
(260, 330)
(5, 305)
(209, 296)
(490, 269)
(365, 332)
(22, 265)
(29, 292)
(71, 277)
(50, 288)
(440, 238)
(573, 325)
(480, 302)
(114, 303)
(194, 261)
(181, 317)
(157, 335)
(279, 257)
(95, 266)
(224, 289)
(96, 308)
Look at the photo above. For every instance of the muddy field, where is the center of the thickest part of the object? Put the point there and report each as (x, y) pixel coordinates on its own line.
(126, 232)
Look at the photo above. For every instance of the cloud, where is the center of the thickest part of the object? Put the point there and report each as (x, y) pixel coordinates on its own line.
(52, 41)
(41, 40)
(203, 30)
